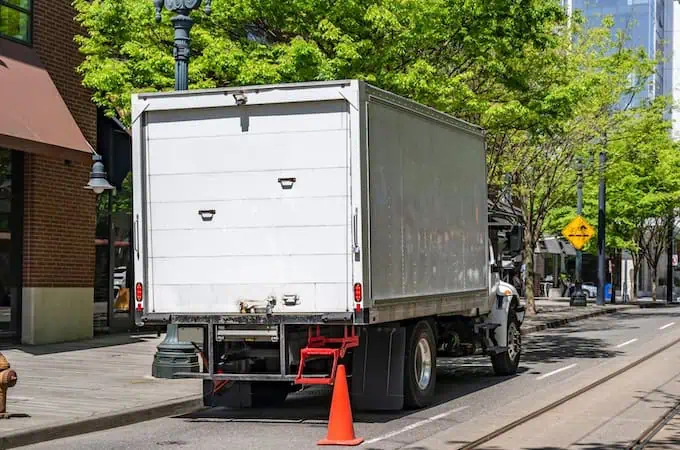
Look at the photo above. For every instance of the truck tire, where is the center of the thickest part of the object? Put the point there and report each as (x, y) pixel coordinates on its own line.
(420, 366)
(506, 363)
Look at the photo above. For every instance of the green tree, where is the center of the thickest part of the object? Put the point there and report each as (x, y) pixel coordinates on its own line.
(445, 53)
(642, 186)
(583, 79)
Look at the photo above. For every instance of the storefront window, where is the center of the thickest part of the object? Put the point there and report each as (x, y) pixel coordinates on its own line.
(15, 19)
(11, 226)
(113, 259)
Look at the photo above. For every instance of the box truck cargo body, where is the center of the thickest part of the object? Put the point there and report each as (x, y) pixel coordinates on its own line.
(314, 215)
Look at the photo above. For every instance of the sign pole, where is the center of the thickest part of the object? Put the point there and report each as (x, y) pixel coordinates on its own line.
(575, 233)
(577, 296)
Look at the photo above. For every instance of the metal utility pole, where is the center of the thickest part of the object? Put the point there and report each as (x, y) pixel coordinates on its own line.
(578, 297)
(669, 257)
(601, 221)
(174, 355)
(624, 258)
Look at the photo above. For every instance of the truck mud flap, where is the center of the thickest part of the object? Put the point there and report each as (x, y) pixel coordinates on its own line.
(378, 369)
(238, 395)
(246, 394)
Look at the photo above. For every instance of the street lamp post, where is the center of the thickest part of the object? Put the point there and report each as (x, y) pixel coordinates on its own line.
(182, 22)
(173, 355)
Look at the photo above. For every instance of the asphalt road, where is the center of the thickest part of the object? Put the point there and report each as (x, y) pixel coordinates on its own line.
(471, 400)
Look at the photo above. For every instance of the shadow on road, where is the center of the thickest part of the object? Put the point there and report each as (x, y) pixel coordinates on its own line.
(111, 340)
(552, 348)
(456, 378)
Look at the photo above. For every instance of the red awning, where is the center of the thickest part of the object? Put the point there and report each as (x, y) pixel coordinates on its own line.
(33, 116)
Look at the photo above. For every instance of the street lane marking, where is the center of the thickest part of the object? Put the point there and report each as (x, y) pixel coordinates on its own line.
(667, 325)
(554, 372)
(416, 425)
(626, 343)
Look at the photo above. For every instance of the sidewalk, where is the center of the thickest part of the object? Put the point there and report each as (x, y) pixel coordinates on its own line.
(555, 313)
(73, 388)
(77, 388)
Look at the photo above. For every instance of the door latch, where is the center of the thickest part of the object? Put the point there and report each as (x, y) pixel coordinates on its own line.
(207, 214)
(287, 183)
(291, 299)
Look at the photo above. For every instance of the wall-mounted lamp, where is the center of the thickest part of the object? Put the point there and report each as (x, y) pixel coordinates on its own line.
(98, 182)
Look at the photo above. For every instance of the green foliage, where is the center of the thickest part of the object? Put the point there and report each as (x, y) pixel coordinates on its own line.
(641, 176)
(457, 56)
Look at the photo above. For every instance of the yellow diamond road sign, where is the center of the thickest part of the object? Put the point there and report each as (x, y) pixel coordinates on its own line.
(578, 232)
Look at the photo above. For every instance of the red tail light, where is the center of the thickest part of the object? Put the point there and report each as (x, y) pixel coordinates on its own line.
(139, 293)
(358, 294)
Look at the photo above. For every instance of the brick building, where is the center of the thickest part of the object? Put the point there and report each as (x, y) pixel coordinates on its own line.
(48, 128)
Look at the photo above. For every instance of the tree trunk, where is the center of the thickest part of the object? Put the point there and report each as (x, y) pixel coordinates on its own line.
(654, 274)
(529, 284)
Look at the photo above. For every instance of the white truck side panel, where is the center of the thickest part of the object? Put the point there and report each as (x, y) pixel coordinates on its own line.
(252, 214)
(428, 204)
(263, 240)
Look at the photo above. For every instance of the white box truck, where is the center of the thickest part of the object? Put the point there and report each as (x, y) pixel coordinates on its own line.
(308, 225)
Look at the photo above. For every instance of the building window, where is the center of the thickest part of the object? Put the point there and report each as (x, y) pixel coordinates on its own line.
(16, 20)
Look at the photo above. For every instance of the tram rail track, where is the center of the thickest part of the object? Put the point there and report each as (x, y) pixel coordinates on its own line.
(640, 443)
(650, 433)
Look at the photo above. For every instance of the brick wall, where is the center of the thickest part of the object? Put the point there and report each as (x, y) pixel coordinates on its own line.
(53, 31)
(59, 215)
(59, 224)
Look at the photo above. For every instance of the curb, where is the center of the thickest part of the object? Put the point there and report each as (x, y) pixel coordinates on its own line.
(561, 322)
(660, 304)
(100, 422)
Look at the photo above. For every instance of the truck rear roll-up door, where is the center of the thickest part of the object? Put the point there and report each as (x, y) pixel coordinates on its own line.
(249, 203)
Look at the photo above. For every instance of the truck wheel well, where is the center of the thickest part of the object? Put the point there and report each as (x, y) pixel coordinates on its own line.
(431, 320)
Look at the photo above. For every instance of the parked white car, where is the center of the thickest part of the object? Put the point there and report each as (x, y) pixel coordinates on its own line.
(591, 289)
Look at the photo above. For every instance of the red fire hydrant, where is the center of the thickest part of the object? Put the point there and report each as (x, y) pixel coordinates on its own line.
(8, 378)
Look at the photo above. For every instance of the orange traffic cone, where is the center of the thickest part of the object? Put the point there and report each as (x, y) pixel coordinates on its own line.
(340, 423)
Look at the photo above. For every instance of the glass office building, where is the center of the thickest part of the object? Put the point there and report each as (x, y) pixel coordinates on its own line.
(643, 21)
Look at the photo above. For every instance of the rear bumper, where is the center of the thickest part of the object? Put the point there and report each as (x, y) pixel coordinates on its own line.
(237, 376)
(248, 319)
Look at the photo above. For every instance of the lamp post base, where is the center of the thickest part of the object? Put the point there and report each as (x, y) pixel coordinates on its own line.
(579, 297)
(174, 356)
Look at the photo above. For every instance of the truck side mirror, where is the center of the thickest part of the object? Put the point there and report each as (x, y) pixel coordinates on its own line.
(516, 238)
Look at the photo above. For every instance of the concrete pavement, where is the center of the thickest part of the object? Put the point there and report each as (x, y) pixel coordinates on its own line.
(471, 401)
(103, 382)
(72, 388)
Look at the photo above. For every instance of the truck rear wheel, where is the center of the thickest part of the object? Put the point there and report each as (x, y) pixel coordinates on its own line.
(506, 363)
(420, 368)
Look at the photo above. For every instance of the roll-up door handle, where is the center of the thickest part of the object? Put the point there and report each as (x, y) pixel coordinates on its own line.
(287, 183)
(207, 214)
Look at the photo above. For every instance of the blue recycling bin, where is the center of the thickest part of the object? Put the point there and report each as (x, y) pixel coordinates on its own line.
(608, 293)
